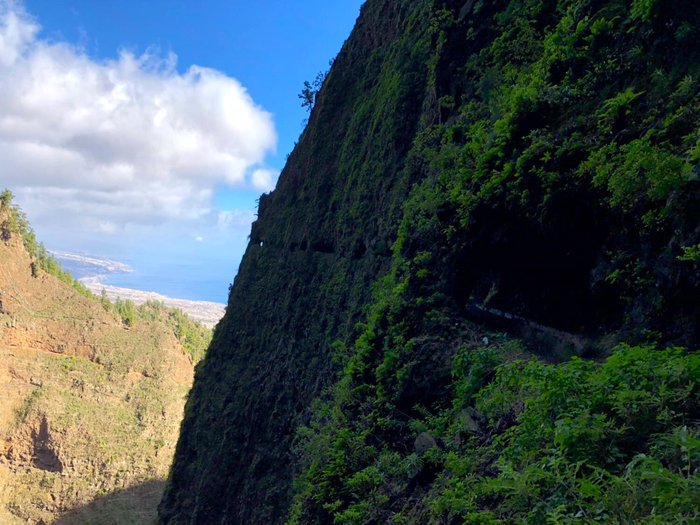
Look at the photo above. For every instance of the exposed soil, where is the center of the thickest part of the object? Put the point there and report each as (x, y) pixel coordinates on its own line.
(89, 407)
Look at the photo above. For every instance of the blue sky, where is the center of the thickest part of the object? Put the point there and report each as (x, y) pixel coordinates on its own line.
(270, 46)
(194, 109)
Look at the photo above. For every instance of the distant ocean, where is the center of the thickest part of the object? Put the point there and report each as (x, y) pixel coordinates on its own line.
(176, 280)
(181, 286)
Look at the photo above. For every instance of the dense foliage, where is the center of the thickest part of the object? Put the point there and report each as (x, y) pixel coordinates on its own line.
(568, 139)
(519, 441)
(564, 134)
(319, 240)
(536, 158)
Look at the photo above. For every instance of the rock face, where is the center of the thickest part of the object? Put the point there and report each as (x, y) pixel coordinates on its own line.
(89, 408)
(466, 150)
(320, 240)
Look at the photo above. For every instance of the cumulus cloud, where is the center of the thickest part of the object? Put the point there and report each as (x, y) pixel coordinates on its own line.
(264, 179)
(127, 140)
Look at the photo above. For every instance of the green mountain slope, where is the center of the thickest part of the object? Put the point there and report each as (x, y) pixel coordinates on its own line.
(470, 168)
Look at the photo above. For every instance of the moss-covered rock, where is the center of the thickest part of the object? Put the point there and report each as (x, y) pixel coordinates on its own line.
(526, 166)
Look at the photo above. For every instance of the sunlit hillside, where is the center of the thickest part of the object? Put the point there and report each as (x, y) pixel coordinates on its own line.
(92, 393)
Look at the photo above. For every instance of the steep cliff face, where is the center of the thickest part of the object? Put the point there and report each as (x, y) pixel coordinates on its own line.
(320, 240)
(530, 166)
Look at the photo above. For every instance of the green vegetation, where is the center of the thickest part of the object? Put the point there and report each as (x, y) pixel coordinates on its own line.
(310, 91)
(111, 420)
(28, 405)
(520, 441)
(690, 254)
(193, 335)
(539, 157)
(14, 221)
(558, 99)
(125, 309)
(91, 405)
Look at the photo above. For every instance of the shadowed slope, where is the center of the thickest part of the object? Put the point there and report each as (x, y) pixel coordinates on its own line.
(314, 251)
(534, 157)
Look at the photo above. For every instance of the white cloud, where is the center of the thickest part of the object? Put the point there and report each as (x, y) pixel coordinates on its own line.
(99, 145)
(235, 219)
(15, 33)
(264, 179)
